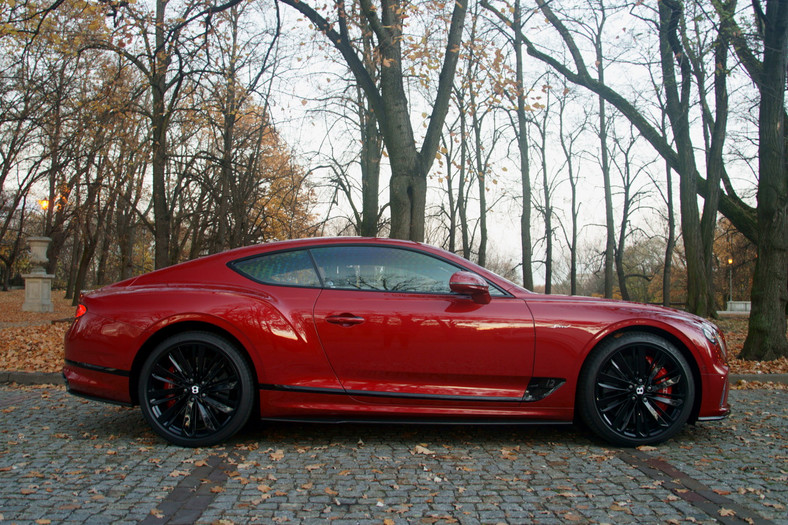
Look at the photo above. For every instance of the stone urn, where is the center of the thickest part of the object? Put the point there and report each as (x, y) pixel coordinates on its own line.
(38, 253)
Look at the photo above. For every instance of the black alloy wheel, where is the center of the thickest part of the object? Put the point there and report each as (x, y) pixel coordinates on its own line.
(636, 389)
(196, 389)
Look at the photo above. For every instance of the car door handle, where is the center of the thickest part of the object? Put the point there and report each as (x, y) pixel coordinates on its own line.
(345, 319)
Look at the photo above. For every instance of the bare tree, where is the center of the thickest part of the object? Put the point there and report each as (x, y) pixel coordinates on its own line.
(410, 164)
(166, 60)
(518, 95)
(631, 198)
(597, 38)
(680, 161)
(766, 336)
(238, 76)
(569, 139)
(540, 122)
(355, 109)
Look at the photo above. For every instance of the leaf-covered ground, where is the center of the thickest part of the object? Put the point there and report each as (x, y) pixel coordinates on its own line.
(735, 333)
(31, 342)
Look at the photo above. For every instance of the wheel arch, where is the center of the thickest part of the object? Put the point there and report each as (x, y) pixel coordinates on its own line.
(174, 329)
(664, 334)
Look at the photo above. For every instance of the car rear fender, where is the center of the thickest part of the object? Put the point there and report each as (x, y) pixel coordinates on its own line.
(215, 326)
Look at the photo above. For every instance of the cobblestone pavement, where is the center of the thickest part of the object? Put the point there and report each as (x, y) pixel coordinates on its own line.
(67, 460)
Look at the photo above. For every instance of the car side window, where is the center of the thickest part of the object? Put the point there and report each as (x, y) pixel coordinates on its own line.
(286, 268)
(382, 269)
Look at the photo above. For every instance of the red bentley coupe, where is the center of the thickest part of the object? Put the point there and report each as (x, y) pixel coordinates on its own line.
(347, 329)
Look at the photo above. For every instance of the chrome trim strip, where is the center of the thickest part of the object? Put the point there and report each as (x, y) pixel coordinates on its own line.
(405, 395)
(301, 389)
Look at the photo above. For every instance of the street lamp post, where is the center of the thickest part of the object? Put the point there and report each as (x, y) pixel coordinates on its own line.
(730, 280)
(44, 204)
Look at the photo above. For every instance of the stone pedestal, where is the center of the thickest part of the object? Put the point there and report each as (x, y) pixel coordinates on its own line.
(739, 306)
(38, 283)
(38, 293)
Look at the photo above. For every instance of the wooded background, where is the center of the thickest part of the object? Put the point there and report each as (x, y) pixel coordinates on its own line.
(640, 143)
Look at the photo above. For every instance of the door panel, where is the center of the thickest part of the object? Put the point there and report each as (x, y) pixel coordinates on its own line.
(387, 346)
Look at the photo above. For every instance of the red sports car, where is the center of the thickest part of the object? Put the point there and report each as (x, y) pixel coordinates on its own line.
(349, 329)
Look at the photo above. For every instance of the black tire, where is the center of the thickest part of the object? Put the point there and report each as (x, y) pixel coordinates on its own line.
(196, 389)
(635, 389)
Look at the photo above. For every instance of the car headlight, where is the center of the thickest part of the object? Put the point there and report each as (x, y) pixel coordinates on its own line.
(714, 336)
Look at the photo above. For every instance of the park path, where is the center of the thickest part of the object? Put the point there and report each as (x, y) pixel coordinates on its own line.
(68, 460)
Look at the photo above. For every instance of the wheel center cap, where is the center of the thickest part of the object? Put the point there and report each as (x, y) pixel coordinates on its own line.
(640, 390)
(195, 389)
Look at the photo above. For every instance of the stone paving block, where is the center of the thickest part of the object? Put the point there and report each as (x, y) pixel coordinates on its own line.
(75, 461)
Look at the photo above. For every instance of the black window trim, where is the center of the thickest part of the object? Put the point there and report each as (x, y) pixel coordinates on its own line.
(316, 268)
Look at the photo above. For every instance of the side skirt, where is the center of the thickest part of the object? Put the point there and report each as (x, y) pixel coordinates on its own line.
(425, 421)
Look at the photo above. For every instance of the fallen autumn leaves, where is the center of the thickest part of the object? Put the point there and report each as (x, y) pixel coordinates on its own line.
(735, 331)
(30, 342)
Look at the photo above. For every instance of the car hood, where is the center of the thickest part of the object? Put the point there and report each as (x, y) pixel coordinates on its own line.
(625, 308)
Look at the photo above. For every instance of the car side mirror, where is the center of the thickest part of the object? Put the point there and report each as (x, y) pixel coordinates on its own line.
(467, 283)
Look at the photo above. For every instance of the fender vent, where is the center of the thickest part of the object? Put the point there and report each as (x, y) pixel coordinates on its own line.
(541, 387)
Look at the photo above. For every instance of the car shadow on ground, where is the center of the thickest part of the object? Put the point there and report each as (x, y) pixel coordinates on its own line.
(100, 421)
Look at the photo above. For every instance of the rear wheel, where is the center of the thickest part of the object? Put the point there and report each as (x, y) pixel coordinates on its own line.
(636, 389)
(196, 389)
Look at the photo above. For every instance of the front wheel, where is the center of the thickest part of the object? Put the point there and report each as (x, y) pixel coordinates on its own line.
(636, 389)
(196, 389)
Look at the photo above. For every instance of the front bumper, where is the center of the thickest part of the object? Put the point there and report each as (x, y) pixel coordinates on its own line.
(714, 398)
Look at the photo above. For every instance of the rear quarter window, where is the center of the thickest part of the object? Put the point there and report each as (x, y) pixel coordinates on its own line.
(283, 268)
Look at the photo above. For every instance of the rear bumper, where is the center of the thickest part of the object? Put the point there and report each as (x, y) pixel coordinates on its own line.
(96, 382)
(713, 418)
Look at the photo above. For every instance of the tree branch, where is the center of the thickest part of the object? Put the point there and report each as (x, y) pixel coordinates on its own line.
(445, 84)
(361, 74)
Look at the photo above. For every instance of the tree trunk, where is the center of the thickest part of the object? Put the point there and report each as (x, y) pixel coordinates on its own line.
(766, 336)
(101, 270)
(480, 179)
(127, 254)
(452, 214)
(76, 253)
(222, 240)
(408, 186)
(610, 230)
(371, 143)
(408, 197)
(462, 197)
(82, 271)
(671, 241)
(370, 169)
(548, 216)
(622, 235)
(567, 146)
(522, 145)
(715, 165)
(678, 113)
(161, 215)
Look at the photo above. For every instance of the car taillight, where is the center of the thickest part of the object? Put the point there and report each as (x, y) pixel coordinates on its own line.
(81, 310)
